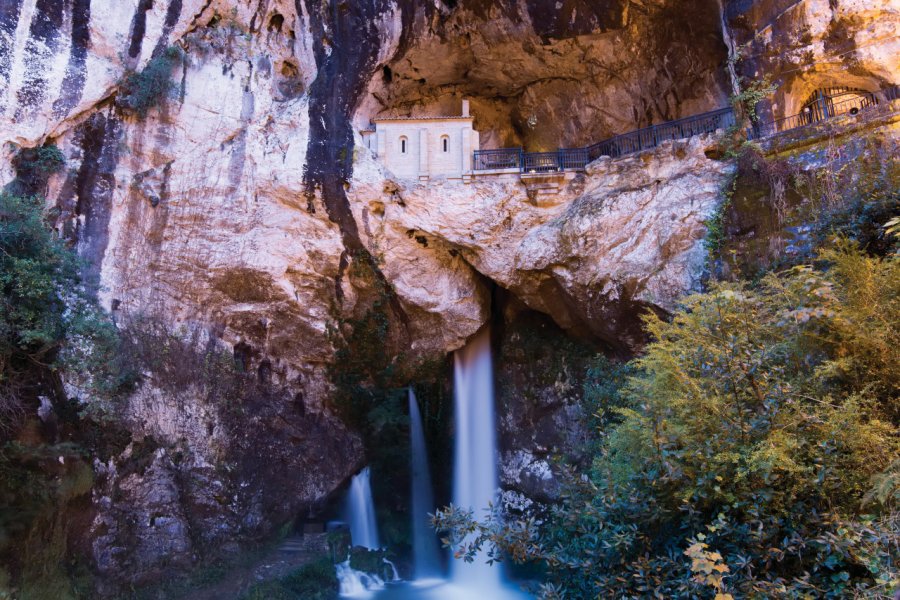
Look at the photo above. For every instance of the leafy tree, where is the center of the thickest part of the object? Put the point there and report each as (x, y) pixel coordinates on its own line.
(42, 310)
(754, 453)
(47, 324)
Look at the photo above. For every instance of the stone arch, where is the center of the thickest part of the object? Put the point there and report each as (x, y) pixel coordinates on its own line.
(404, 144)
(792, 97)
(445, 143)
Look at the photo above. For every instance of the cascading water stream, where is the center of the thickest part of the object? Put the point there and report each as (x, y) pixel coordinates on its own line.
(360, 514)
(475, 469)
(475, 484)
(361, 511)
(426, 557)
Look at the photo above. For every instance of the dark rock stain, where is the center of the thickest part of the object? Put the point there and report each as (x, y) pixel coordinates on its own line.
(139, 28)
(173, 13)
(76, 70)
(9, 20)
(94, 186)
(346, 46)
(43, 40)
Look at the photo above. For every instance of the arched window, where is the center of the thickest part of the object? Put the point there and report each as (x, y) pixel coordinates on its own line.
(445, 143)
(403, 144)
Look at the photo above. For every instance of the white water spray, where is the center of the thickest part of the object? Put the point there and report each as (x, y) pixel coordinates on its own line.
(361, 512)
(356, 584)
(427, 561)
(475, 469)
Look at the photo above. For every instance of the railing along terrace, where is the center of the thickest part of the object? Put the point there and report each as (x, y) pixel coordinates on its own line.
(504, 158)
(822, 110)
(577, 158)
(892, 93)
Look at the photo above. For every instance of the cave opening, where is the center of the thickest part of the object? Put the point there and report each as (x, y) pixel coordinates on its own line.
(538, 86)
(276, 22)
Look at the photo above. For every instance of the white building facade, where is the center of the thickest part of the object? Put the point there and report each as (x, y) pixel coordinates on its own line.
(425, 147)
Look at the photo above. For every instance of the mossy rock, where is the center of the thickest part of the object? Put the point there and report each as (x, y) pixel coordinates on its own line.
(370, 561)
(314, 581)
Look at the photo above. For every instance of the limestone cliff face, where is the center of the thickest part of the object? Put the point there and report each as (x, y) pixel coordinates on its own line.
(811, 44)
(623, 237)
(238, 207)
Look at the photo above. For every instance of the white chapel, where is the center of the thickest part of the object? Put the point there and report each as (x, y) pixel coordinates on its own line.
(425, 147)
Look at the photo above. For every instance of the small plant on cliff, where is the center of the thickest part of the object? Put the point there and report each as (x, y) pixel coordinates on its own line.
(715, 225)
(34, 166)
(45, 160)
(752, 93)
(141, 91)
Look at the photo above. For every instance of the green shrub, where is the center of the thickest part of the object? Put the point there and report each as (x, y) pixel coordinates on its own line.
(754, 453)
(45, 160)
(752, 93)
(141, 91)
(46, 319)
(33, 167)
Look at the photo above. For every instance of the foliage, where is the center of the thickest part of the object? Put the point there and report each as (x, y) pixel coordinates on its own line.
(855, 193)
(715, 225)
(752, 93)
(33, 167)
(315, 581)
(708, 568)
(44, 160)
(141, 91)
(892, 227)
(48, 324)
(43, 310)
(778, 213)
(758, 435)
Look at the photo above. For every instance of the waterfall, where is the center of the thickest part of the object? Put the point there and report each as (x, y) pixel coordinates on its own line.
(474, 486)
(427, 560)
(475, 470)
(361, 512)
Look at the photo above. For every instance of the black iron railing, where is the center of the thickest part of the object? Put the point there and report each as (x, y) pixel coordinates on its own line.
(822, 109)
(577, 158)
(891, 93)
(540, 162)
(567, 159)
(504, 158)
